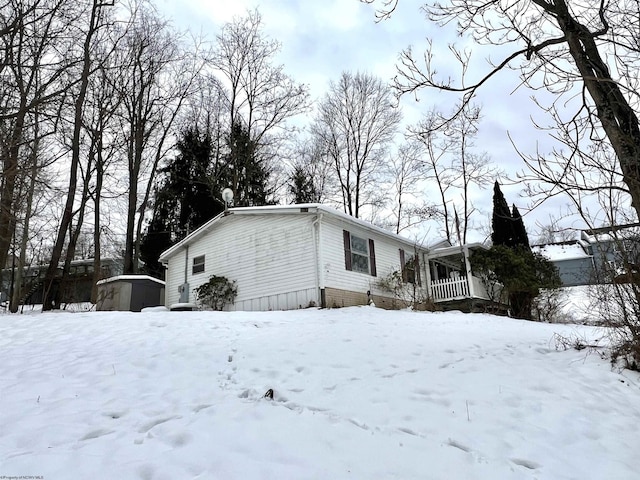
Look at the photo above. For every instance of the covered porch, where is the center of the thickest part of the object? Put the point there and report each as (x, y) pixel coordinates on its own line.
(449, 276)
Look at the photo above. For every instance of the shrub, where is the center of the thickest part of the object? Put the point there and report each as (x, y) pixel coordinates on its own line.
(405, 294)
(521, 272)
(217, 293)
(549, 306)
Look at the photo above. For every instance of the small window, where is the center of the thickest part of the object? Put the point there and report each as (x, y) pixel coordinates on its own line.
(410, 268)
(198, 264)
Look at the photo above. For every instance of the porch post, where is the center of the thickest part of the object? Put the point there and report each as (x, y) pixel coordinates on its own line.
(427, 270)
(467, 265)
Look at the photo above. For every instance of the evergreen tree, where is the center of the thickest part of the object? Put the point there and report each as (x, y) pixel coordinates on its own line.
(510, 260)
(155, 240)
(188, 184)
(501, 222)
(184, 200)
(301, 186)
(248, 174)
(520, 237)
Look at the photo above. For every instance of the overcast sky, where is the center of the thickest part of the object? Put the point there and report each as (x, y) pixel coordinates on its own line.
(320, 39)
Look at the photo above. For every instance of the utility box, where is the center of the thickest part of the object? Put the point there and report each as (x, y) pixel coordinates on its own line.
(129, 293)
(184, 293)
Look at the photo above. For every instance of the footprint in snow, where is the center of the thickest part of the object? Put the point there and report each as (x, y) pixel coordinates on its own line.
(526, 463)
(149, 425)
(96, 434)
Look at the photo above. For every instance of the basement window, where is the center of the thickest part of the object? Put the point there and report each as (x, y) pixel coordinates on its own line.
(198, 264)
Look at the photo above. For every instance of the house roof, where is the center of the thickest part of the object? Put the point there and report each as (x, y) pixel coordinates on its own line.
(303, 208)
(442, 250)
(119, 278)
(561, 251)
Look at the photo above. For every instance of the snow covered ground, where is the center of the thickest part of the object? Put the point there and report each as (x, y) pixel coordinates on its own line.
(359, 393)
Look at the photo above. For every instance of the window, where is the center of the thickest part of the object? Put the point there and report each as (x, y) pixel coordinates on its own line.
(359, 254)
(198, 264)
(410, 268)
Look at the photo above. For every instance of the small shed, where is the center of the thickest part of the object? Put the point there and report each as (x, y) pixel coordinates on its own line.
(129, 293)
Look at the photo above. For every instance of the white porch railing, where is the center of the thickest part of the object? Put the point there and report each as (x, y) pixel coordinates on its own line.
(448, 289)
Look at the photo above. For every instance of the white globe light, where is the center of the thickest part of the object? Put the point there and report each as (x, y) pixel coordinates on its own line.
(227, 195)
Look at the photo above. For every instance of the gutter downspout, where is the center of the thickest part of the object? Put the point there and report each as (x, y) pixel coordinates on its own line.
(186, 272)
(317, 240)
(186, 262)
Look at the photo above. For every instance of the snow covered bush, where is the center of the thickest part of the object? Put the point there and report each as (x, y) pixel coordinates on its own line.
(617, 305)
(216, 293)
(549, 306)
(405, 294)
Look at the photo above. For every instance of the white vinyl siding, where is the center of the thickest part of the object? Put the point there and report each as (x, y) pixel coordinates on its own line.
(174, 277)
(267, 255)
(333, 256)
(283, 260)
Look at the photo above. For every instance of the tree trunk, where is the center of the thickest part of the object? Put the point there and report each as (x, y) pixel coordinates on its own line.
(48, 302)
(9, 175)
(618, 119)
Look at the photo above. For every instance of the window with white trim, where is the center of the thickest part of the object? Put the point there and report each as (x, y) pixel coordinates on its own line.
(198, 264)
(359, 254)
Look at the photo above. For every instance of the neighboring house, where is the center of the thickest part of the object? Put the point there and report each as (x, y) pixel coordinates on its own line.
(598, 256)
(614, 249)
(295, 256)
(76, 289)
(571, 258)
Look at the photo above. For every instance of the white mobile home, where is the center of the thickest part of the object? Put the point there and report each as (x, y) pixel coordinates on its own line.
(293, 256)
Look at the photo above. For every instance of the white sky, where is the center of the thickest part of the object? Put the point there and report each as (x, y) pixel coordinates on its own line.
(322, 39)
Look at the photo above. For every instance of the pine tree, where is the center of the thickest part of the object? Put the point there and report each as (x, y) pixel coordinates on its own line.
(502, 222)
(520, 237)
(184, 200)
(248, 174)
(510, 260)
(188, 182)
(301, 186)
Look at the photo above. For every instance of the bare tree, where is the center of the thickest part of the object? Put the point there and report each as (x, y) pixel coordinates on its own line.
(31, 77)
(96, 20)
(355, 123)
(33, 195)
(558, 46)
(261, 96)
(313, 167)
(450, 160)
(406, 171)
(156, 77)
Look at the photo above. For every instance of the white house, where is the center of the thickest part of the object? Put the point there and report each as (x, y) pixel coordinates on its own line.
(295, 256)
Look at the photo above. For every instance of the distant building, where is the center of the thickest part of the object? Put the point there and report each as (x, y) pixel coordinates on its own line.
(76, 289)
(600, 255)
